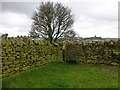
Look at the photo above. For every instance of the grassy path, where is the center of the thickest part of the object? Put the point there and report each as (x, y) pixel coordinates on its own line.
(61, 75)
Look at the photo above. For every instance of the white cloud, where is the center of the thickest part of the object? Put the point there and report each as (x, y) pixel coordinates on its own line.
(15, 24)
(88, 27)
(104, 11)
(15, 19)
(99, 19)
(14, 31)
(92, 17)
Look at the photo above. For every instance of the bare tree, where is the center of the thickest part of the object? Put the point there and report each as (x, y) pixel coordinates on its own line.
(34, 34)
(52, 21)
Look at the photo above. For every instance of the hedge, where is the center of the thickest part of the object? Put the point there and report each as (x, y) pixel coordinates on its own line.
(93, 53)
(20, 54)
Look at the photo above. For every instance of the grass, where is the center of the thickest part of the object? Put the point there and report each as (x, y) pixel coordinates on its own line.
(62, 75)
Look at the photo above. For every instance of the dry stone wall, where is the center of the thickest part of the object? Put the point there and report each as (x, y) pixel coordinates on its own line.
(93, 53)
(20, 54)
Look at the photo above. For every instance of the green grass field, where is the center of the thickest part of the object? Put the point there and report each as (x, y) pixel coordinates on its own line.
(62, 75)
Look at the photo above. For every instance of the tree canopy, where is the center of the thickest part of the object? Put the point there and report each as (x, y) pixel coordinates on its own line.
(52, 21)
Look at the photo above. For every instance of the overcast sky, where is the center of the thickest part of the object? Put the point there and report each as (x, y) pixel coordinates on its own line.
(92, 17)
